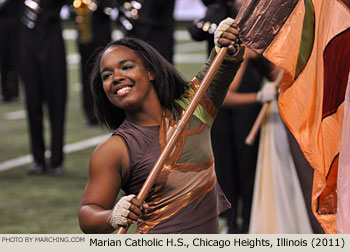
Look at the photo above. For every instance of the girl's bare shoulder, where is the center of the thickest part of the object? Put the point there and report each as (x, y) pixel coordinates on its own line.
(111, 152)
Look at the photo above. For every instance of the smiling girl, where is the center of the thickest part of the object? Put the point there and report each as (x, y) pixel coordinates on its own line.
(132, 79)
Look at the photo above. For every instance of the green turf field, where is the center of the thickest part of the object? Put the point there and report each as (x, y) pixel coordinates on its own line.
(44, 204)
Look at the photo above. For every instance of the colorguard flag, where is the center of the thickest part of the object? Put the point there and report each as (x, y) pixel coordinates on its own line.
(310, 40)
(278, 204)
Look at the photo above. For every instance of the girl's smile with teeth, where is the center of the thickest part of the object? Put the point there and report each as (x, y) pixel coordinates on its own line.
(124, 90)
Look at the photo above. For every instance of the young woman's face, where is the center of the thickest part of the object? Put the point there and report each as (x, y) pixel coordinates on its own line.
(126, 81)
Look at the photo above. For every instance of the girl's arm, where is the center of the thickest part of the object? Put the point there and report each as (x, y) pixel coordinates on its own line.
(103, 186)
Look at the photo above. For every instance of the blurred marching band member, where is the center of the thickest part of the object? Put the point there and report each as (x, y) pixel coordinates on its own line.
(151, 21)
(9, 25)
(43, 71)
(94, 29)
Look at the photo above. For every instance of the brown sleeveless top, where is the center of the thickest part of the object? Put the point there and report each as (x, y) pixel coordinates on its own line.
(186, 194)
(144, 149)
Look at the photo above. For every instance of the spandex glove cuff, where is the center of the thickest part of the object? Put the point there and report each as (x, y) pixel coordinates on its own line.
(223, 26)
(119, 215)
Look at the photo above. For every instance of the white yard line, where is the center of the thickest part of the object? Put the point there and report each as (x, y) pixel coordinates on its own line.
(189, 58)
(94, 141)
(73, 58)
(71, 34)
(189, 47)
(182, 35)
(27, 159)
(20, 114)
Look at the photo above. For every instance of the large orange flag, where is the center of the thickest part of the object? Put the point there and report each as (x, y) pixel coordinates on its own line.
(310, 40)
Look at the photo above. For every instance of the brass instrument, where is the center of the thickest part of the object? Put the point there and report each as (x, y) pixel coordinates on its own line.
(31, 11)
(84, 10)
(205, 26)
(129, 14)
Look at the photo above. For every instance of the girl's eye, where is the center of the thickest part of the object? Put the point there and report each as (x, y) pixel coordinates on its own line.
(127, 67)
(105, 76)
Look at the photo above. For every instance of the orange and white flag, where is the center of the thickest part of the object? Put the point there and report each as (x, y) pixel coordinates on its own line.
(310, 41)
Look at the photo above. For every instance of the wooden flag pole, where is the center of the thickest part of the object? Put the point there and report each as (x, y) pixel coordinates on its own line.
(252, 134)
(179, 129)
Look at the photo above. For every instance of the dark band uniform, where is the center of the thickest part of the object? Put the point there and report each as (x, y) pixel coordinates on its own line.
(9, 26)
(43, 70)
(155, 25)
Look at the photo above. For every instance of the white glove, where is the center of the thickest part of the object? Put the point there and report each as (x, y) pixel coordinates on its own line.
(119, 215)
(223, 26)
(267, 93)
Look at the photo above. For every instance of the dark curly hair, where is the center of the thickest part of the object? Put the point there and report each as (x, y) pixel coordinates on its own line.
(168, 82)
